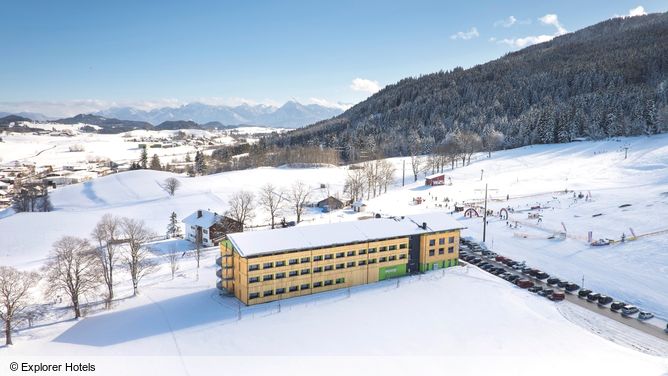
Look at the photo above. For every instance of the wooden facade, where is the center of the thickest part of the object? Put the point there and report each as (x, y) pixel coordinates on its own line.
(268, 277)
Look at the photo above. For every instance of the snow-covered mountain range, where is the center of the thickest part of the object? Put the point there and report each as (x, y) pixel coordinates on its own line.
(290, 115)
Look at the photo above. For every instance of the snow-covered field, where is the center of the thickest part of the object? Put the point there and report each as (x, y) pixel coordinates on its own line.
(55, 150)
(454, 318)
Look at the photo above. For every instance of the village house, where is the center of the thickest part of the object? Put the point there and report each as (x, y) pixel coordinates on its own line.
(209, 227)
(435, 179)
(330, 203)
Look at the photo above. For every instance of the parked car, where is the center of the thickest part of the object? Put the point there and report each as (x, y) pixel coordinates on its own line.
(645, 315)
(616, 306)
(542, 275)
(557, 296)
(536, 289)
(604, 300)
(546, 292)
(593, 297)
(572, 287)
(513, 278)
(584, 293)
(629, 310)
(562, 284)
(524, 283)
(553, 281)
(499, 258)
(487, 267)
(476, 261)
(518, 266)
(525, 269)
(498, 271)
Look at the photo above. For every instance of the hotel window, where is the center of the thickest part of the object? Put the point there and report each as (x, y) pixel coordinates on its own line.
(451, 249)
(293, 273)
(329, 256)
(329, 267)
(340, 280)
(305, 260)
(267, 265)
(305, 271)
(431, 252)
(402, 256)
(372, 250)
(317, 258)
(451, 239)
(293, 288)
(253, 279)
(280, 275)
(441, 251)
(329, 282)
(382, 259)
(305, 286)
(254, 295)
(340, 266)
(403, 246)
(280, 291)
(268, 293)
(293, 262)
(361, 262)
(372, 261)
(317, 284)
(351, 253)
(351, 264)
(340, 254)
(441, 241)
(268, 277)
(361, 252)
(280, 263)
(317, 269)
(393, 248)
(382, 249)
(392, 258)
(432, 242)
(253, 267)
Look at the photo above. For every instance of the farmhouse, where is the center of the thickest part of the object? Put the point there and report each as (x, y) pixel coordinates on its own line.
(264, 266)
(209, 227)
(330, 203)
(436, 179)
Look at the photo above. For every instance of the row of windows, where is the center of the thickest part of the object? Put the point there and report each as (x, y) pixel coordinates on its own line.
(305, 286)
(441, 241)
(326, 268)
(330, 256)
(441, 251)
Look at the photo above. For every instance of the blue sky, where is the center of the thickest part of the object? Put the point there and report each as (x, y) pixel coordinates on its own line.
(65, 57)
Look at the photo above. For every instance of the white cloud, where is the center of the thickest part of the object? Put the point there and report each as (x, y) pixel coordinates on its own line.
(552, 19)
(362, 84)
(548, 19)
(508, 22)
(637, 11)
(327, 103)
(466, 35)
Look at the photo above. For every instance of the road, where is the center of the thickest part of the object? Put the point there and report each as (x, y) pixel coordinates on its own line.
(654, 327)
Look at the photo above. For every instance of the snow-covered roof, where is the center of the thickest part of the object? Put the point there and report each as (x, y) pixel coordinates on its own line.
(435, 176)
(314, 236)
(205, 221)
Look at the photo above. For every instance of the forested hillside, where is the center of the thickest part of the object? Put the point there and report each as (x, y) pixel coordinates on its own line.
(606, 80)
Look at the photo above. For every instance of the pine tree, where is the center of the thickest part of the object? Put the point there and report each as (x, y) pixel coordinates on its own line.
(173, 228)
(143, 158)
(200, 164)
(155, 163)
(651, 118)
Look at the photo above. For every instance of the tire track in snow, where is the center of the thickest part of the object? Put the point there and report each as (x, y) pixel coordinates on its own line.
(171, 331)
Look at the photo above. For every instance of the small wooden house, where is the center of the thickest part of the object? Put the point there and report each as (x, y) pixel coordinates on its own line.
(330, 203)
(436, 179)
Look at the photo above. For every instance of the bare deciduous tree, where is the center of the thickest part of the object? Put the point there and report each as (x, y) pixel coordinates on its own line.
(73, 269)
(107, 232)
(354, 184)
(299, 193)
(14, 295)
(170, 185)
(173, 258)
(137, 256)
(271, 199)
(416, 165)
(242, 206)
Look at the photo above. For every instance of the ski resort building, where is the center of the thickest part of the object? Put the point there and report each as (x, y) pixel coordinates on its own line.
(209, 228)
(264, 266)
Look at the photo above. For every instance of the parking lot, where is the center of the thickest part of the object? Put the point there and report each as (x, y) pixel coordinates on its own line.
(654, 326)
